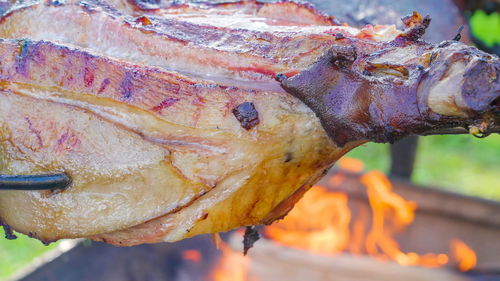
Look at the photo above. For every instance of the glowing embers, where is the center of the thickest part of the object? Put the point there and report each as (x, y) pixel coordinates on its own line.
(192, 255)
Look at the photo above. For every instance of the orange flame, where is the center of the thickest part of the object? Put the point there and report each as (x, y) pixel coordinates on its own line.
(192, 255)
(321, 223)
(389, 207)
(232, 266)
(305, 226)
(351, 165)
(463, 254)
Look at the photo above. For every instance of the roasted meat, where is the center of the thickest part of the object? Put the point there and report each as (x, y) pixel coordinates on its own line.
(140, 143)
(199, 118)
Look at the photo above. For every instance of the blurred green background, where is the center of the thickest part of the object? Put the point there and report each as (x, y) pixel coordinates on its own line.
(462, 164)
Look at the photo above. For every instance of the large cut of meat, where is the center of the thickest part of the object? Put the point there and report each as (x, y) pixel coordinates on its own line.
(198, 118)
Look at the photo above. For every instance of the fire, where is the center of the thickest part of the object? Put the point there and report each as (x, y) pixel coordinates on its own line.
(192, 255)
(305, 226)
(232, 266)
(464, 255)
(321, 223)
(388, 209)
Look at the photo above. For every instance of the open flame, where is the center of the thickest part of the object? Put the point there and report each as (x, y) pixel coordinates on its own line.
(322, 223)
(305, 226)
(192, 255)
(390, 208)
(232, 266)
(464, 255)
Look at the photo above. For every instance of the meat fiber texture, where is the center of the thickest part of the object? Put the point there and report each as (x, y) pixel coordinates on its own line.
(169, 119)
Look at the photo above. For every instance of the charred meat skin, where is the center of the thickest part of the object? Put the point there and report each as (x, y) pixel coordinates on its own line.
(354, 105)
(160, 156)
(360, 96)
(247, 115)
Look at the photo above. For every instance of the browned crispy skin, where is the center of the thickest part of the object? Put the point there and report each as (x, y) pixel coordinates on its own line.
(384, 97)
(354, 106)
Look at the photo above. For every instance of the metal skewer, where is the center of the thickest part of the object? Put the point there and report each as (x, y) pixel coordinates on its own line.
(460, 131)
(34, 182)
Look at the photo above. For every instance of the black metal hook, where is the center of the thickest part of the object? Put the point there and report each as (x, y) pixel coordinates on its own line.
(34, 182)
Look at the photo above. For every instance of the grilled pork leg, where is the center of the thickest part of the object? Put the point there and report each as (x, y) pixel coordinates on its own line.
(208, 157)
(194, 156)
(379, 99)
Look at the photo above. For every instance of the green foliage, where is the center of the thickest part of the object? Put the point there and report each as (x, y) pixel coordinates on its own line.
(374, 155)
(460, 163)
(486, 27)
(14, 254)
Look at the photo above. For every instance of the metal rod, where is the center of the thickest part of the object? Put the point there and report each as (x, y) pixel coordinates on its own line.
(457, 131)
(452, 131)
(34, 182)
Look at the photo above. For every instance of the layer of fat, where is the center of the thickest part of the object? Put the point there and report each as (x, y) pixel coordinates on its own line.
(445, 96)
